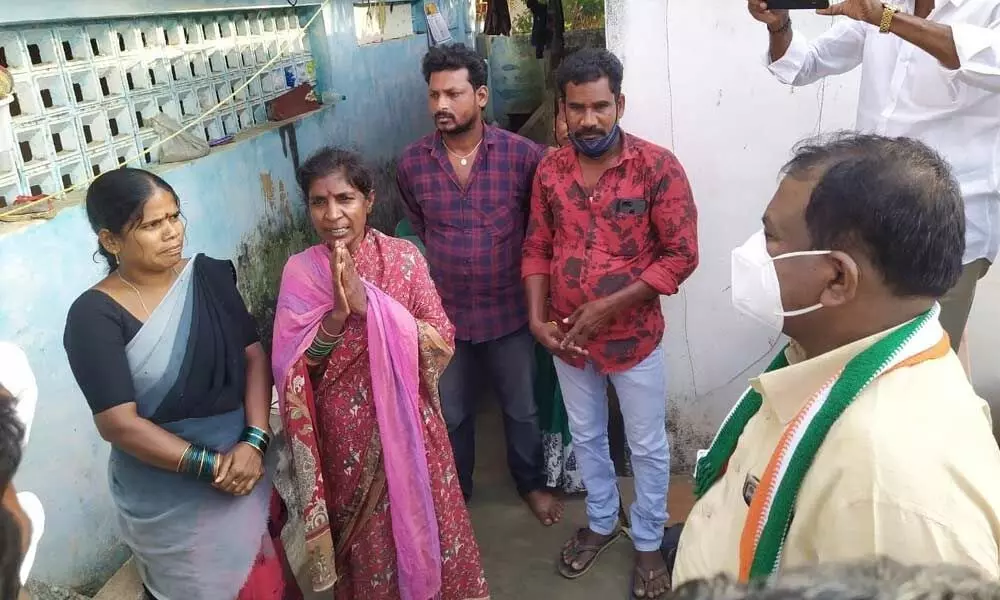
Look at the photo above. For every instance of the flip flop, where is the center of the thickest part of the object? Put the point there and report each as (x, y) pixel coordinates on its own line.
(576, 548)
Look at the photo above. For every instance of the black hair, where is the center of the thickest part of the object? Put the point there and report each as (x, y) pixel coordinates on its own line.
(331, 160)
(11, 437)
(588, 65)
(115, 201)
(895, 199)
(454, 57)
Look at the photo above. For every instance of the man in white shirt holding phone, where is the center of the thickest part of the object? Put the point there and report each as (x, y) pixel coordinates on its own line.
(931, 71)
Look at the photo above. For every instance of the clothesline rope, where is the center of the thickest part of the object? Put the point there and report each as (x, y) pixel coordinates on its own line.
(20, 208)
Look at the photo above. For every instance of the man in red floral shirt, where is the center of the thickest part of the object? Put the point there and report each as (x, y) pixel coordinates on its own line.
(613, 226)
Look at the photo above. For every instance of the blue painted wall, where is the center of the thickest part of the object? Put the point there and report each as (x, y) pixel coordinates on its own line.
(46, 10)
(46, 265)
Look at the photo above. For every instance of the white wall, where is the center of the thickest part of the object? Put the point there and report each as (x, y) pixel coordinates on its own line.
(695, 83)
(984, 342)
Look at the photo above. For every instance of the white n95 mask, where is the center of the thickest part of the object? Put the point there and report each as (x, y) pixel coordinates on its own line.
(756, 292)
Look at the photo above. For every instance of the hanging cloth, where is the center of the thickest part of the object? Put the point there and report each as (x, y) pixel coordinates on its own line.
(540, 34)
(497, 18)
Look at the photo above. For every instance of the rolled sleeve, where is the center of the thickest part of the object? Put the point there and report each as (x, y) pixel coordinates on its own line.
(839, 50)
(675, 220)
(978, 51)
(787, 68)
(536, 254)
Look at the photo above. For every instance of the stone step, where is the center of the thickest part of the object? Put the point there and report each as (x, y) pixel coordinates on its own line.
(36, 590)
(124, 585)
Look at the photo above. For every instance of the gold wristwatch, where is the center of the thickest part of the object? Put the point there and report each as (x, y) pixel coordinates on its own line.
(888, 12)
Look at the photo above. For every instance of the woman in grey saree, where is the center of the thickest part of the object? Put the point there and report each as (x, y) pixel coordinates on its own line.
(169, 361)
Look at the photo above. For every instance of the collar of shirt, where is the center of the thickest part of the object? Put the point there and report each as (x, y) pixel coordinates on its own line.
(435, 143)
(787, 390)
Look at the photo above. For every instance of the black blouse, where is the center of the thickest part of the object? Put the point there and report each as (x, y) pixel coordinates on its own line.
(98, 330)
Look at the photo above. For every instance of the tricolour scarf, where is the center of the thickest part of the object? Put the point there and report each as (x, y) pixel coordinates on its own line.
(772, 507)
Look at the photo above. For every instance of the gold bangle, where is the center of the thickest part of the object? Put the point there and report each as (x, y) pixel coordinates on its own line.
(888, 13)
(184, 454)
(259, 451)
(330, 336)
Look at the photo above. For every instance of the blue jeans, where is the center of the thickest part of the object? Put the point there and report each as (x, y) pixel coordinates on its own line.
(642, 394)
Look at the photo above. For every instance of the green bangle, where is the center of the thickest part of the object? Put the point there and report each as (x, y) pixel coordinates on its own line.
(256, 437)
(318, 350)
(258, 431)
(317, 343)
(199, 463)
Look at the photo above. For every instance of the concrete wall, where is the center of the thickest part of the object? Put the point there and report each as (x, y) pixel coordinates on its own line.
(239, 202)
(695, 83)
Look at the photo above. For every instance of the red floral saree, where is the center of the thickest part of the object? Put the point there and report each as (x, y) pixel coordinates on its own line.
(337, 451)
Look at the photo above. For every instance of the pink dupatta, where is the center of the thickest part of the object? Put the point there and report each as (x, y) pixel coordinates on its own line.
(306, 297)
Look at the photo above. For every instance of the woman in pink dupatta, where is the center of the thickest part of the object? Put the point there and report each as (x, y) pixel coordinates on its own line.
(360, 340)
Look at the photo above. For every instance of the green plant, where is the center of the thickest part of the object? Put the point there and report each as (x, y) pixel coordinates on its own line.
(580, 14)
(261, 261)
(521, 25)
(584, 14)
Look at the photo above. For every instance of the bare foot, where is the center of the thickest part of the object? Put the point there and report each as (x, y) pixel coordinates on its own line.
(650, 579)
(547, 508)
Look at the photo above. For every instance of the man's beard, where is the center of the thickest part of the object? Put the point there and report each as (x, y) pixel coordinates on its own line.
(460, 128)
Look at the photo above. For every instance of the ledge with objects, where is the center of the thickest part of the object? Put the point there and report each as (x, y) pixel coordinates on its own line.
(53, 205)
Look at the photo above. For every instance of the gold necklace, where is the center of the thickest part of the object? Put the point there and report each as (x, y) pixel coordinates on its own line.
(136, 290)
(463, 160)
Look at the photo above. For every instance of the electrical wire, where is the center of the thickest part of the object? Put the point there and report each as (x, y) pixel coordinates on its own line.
(20, 208)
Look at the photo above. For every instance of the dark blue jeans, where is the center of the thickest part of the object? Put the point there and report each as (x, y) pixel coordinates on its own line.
(509, 364)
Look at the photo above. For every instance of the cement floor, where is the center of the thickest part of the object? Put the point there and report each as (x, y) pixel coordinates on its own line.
(519, 554)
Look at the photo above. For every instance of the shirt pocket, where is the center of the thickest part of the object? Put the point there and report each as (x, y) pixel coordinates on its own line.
(931, 85)
(439, 202)
(625, 226)
(500, 217)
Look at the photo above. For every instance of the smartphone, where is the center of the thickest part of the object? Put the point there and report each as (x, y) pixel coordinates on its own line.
(796, 4)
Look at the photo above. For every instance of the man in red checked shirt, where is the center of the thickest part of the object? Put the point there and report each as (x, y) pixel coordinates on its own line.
(613, 226)
(465, 189)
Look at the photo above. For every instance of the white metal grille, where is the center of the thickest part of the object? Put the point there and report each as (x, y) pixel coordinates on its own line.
(85, 92)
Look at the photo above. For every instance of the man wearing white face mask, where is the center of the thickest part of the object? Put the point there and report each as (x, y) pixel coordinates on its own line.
(863, 437)
(930, 69)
